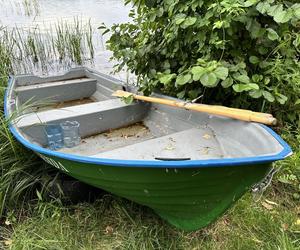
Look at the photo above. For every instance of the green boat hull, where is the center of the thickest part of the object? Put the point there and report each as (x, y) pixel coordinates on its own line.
(188, 198)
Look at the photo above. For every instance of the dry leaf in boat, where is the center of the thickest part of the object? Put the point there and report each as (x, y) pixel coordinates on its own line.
(169, 147)
(206, 136)
(205, 150)
(172, 139)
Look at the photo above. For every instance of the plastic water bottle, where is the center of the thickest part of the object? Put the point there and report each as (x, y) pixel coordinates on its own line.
(54, 137)
(70, 130)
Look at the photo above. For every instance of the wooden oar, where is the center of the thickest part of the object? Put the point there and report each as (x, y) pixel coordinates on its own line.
(239, 114)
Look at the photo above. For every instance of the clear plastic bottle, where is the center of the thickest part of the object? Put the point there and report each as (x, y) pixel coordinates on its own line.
(70, 130)
(54, 137)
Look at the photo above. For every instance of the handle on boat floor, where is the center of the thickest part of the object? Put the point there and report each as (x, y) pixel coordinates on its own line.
(172, 159)
(239, 114)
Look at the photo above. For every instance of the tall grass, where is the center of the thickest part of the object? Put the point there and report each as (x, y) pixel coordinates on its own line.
(23, 7)
(61, 45)
(26, 51)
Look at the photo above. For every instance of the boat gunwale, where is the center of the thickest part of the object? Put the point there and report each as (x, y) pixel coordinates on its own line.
(224, 162)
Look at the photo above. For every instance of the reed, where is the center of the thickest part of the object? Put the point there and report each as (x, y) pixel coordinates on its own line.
(34, 50)
(62, 44)
(23, 7)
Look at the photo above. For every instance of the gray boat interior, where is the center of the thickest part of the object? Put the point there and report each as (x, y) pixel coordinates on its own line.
(109, 128)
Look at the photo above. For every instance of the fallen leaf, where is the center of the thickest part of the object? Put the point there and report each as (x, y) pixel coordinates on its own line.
(257, 240)
(109, 230)
(271, 202)
(285, 226)
(206, 136)
(267, 206)
(8, 242)
(7, 223)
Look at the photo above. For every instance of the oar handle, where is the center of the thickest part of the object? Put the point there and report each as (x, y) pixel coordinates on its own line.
(239, 114)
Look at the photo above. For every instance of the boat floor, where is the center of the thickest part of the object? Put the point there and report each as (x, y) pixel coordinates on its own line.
(136, 142)
(111, 139)
(60, 105)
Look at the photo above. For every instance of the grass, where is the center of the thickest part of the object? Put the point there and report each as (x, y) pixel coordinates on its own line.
(113, 223)
(29, 220)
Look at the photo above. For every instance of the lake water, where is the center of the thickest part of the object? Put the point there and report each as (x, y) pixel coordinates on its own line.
(13, 12)
(44, 13)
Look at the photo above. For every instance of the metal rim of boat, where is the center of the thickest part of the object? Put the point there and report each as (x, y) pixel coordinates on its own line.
(286, 151)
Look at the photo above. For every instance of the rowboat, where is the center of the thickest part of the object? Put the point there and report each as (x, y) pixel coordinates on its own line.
(189, 167)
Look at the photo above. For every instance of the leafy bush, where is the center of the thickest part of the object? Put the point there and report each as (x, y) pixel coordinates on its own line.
(242, 53)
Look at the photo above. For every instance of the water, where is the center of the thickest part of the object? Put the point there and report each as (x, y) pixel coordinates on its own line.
(13, 12)
(45, 14)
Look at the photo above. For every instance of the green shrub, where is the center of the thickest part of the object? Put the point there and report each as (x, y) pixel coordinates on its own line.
(242, 53)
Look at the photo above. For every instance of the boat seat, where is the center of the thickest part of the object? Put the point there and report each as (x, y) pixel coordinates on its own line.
(57, 91)
(195, 143)
(93, 117)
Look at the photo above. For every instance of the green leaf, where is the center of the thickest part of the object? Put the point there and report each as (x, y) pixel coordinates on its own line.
(221, 72)
(296, 10)
(240, 87)
(242, 78)
(297, 102)
(253, 86)
(257, 78)
(181, 94)
(268, 96)
(179, 21)
(128, 99)
(272, 34)
(197, 72)
(273, 10)
(281, 98)
(188, 22)
(183, 79)
(180, 18)
(283, 16)
(166, 78)
(255, 93)
(105, 32)
(249, 3)
(244, 87)
(218, 24)
(39, 195)
(194, 93)
(254, 28)
(227, 82)
(262, 50)
(209, 79)
(263, 7)
(253, 59)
